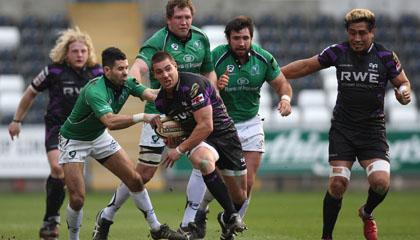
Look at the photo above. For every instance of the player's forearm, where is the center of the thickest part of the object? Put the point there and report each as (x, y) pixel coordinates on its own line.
(24, 104)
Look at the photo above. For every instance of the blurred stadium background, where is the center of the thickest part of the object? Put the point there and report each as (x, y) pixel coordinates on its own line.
(296, 157)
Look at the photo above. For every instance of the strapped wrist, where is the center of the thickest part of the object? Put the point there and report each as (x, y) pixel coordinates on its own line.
(16, 121)
(285, 98)
(179, 151)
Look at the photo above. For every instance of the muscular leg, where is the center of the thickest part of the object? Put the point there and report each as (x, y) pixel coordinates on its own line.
(120, 165)
(332, 201)
(379, 182)
(76, 187)
(147, 154)
(203, 159)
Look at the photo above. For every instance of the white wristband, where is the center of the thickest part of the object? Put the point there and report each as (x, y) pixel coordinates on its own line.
(285, 97)
(138, 117)
(179, 151)
(402, 88)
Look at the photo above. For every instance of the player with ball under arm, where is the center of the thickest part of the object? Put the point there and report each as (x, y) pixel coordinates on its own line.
(364, 68)
(212, 137)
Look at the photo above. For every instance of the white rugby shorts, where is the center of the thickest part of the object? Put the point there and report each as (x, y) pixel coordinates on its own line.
(149, 138)
(251, 134)
(78, 151)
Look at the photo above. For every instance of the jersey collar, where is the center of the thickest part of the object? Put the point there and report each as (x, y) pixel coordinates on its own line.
(179, 39)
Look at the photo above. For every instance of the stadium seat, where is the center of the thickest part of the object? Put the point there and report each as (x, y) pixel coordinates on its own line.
(278, 122)
(8, 103)
(315, 116)
(9, 37)
(311, 98)
(404, 117)
(11, 83)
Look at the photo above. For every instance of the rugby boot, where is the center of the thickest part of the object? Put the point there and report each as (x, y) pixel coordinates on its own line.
(370, 229)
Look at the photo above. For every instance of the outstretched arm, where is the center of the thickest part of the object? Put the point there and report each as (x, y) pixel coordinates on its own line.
(118, 121)
(301, 68)
(23, 107)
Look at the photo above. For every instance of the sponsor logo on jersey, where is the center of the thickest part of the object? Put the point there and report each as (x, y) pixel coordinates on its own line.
(174, 46)
(188, 58)
(194, 90)
(199, 99)
(198, 45)
(242, 81)
(359, 77)
(71, 91)
(397, 61)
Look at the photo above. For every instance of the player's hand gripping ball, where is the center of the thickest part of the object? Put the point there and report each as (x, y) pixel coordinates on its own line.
(171, 132)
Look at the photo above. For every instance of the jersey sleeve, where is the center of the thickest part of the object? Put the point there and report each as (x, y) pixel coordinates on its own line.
(97, 102)
(329, 56)
(273, 69)
(136, 88)
(207, 65)
(45, 78)
(393, 66)
(199, 95)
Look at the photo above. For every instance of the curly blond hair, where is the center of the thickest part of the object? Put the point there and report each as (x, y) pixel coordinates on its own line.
(59, 52)
(360, 15)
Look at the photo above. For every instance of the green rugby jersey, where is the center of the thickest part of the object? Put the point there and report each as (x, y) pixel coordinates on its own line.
(192, 55)
(242, 95)
(97, 98)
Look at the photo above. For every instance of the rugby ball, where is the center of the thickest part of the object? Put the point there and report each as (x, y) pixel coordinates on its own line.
(170, 128)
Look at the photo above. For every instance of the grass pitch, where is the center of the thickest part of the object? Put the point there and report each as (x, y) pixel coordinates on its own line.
(273, 216)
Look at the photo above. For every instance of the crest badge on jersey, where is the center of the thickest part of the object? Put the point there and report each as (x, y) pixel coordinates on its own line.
(174, 46)
(255, 70)
(197, 44)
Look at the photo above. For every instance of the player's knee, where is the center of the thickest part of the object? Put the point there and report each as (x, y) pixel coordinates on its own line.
(380, 185)
(76, 201)
(135, 183)
(57, 171)
(338, 186)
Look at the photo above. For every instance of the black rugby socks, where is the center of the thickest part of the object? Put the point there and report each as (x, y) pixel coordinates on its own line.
(55, 197)
(331, 209)
(218, 189)
(373, 200)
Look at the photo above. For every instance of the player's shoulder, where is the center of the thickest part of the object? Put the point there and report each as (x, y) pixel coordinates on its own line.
(189, 78)
(55, 68)
(336, 48)
(196, 30)
(261, 53)
(157, 38)
(381, 50)
(96, 69)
